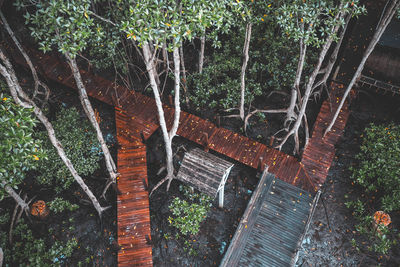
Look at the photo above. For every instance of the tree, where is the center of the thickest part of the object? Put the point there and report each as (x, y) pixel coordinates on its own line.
(23, 100)
(19, 150)
(254, 12)
(166, 23)
(67, 26)
(391, 8)
(311, 23)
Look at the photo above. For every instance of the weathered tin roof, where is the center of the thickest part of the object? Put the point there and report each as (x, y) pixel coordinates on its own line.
(272, 226)
(203, 170)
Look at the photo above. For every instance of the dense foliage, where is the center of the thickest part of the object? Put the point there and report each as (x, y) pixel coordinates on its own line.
(28, 250)
(272, 66)
(378, 173)
(19, 150)
(59, 205)
(63, 24)
(312, 21)
(81, 146)
(188, 214)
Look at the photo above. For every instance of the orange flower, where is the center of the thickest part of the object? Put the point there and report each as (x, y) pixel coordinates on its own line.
(35, 157)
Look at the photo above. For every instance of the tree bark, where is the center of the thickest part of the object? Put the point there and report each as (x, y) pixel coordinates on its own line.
(332, 60)
(244, 66)
(36, 79)
(167, 136)
(290, 114)
(184, 83)
(201, 54)
(387, 16)
(15, 196)
(1, 250)
(87, 107)
(9, 75)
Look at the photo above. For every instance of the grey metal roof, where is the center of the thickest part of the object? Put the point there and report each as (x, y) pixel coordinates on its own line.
(203, 170)
(272, 226)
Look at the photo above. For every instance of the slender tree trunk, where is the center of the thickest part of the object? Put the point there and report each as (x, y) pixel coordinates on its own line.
(246, 46)
(168, 136)
(177, 114)
(36, 79)
(87, 106)
(201, 54)
(1, 250)
(182, 59)
(165, 56)
(16, 91)
(387, 16)
(15, 196)
(290, 114)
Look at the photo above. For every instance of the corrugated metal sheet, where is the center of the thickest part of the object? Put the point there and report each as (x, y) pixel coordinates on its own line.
(272, 226)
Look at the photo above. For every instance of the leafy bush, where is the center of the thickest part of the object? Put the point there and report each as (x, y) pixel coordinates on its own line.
(378, 173)
(19, 150)
(58, 205)
(379, 164)
(28, 250)
(81, 146)
(188, 216)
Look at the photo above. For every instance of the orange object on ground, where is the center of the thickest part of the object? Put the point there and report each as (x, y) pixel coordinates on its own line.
(381, 217)
(39, 209)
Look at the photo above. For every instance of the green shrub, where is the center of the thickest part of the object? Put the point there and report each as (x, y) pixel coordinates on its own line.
(19, 150)
(80, 144)
(379, 168)
(188, 216)
(58, 205)
(30, 251)
(378, 174)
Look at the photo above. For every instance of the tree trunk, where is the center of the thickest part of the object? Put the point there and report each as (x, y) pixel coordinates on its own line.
(16, 91)
(332, 60)
(1, 250)
(15, 196)
(387, 16)
(290, 114)
(112, 171)
(182, 59)
(177, 114)
(165, 56)
(244, 66)
(168, 136)
(201, 54)
(36, 79)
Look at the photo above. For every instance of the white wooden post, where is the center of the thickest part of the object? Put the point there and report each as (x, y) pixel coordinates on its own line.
(221, 197)
(221, 187)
